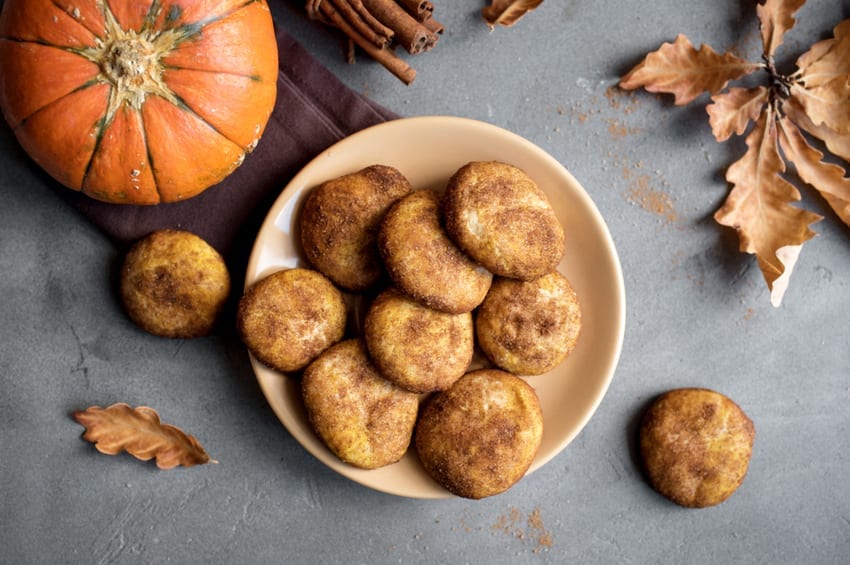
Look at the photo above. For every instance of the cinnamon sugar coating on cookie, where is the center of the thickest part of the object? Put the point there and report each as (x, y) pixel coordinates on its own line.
(363, 419)
(480, 436)
(422, 260)
(529, 327)
(499, 216)
(339, 223)
(416, 347)
(696, 445)
(289, 317)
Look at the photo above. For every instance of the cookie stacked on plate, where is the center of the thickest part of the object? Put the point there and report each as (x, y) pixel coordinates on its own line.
(437, 273)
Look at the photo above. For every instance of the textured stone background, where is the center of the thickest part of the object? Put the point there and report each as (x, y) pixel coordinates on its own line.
(698, 314)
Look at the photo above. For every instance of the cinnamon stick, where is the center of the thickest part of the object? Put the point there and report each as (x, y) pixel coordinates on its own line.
(434, 26)
(410, 33)
(358, 15)
(419, 9)
(315, 13)
(384, 55)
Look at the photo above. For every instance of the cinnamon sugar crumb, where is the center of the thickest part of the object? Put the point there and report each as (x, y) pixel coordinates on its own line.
(651, 200)
(530, 528)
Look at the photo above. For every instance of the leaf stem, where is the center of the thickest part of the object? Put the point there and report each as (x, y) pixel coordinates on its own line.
(780, 85)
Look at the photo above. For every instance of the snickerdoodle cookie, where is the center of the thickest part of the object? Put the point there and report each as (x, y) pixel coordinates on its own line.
(363, 419)
(423, 262)
(479, 437)
(696, 445)
(174, 284)
(499, 216)
(416, 347)
(529, 327)
(290, 316)
(339, 222)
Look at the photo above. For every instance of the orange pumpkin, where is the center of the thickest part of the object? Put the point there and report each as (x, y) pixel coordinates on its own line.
(137, 101)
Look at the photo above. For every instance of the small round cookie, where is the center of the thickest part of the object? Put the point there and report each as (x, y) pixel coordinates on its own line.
(363, 419)
(695, 445)
(289, 317)
(423, 262)
(529, 327)
(500, 217)
(339, 222)
(416, 347)
(480, 436)
(174, 284)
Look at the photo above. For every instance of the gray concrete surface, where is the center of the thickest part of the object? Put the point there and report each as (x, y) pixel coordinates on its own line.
(698, 315)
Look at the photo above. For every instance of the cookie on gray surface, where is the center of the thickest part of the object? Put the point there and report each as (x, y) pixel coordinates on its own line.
(696, 446)
(174, 284)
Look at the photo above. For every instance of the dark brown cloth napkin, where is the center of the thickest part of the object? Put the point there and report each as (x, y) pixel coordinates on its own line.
(314, 109)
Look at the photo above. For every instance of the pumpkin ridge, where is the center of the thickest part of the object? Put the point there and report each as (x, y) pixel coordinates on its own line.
(202, 23)
(252, 76)
(189, 30)
(102, 124)
(188, 109)
(81, 22)
(144, 133)
(85, 85)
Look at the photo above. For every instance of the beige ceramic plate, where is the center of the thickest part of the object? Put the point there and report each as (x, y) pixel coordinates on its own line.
(428, 150)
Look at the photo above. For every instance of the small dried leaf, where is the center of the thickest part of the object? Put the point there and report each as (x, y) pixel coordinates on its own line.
(732, 111)
(507, 12)
(776, 18)
(827, 60)
(827, 105)
(827, 178)
(758, 206)
(140, 433)
(678, 68)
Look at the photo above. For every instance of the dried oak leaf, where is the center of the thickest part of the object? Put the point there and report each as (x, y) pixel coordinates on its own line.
(732, 111)
(776, 17)
(827, 60)
(827, 105)
(826, 178)
(815, 99)
(837, 144)
(686, 72)
(139, 432)
(507, 12)
(759, 207)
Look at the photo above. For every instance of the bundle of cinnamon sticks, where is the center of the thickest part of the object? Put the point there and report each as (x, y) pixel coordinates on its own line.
(379, 26)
